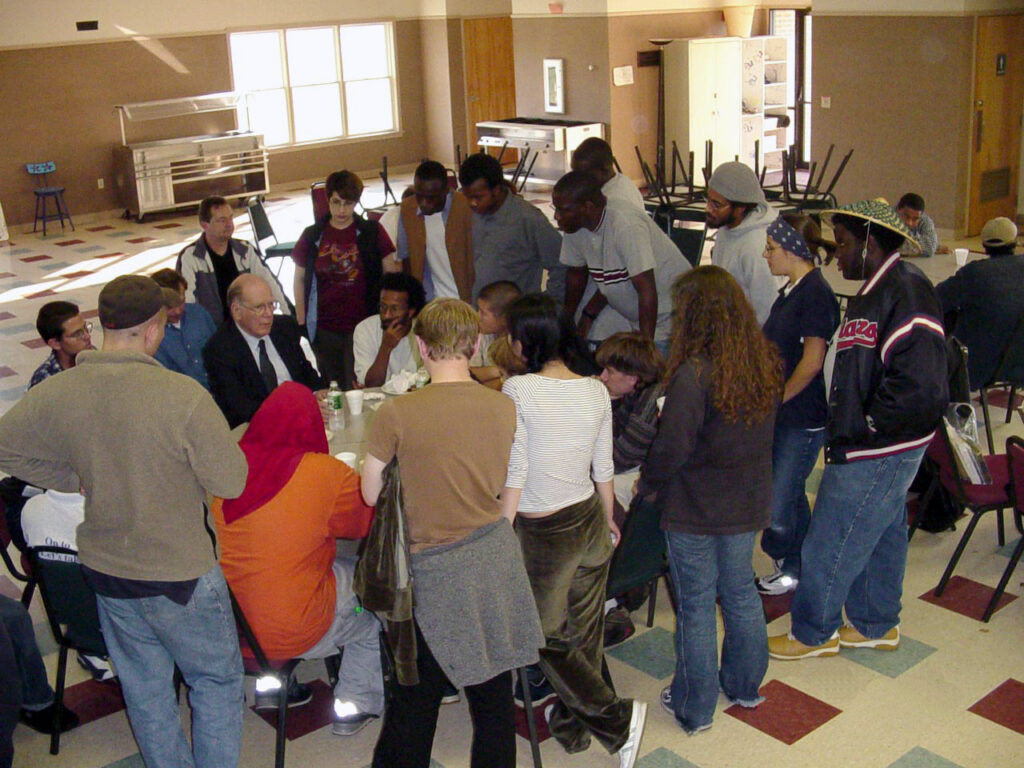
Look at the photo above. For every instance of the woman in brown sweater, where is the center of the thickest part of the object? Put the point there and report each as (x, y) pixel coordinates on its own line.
(711, 466)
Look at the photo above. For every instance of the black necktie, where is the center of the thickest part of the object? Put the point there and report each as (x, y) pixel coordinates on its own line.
(266, 367)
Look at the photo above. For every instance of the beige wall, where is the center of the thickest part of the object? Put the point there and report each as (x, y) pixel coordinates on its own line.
(75, 125)
(634, 108)
(583, 44)
(901, 91)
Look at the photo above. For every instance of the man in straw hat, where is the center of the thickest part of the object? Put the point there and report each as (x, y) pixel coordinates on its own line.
(888, 391)
(145, 446)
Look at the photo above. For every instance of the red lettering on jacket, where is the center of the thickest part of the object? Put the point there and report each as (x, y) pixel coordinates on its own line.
(863, 333)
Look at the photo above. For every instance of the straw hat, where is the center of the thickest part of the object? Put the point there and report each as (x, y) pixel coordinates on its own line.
(877, 213)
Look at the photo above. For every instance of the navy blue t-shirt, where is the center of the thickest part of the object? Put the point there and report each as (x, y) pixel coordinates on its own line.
(810, 309)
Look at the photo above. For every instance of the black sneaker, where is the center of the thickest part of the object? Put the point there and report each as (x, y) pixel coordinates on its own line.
(540, 688)
(97, 666)
(42, 719)
(298, 694)
(618, 626)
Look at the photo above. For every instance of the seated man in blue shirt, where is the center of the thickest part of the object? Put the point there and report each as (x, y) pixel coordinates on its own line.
(189, 327)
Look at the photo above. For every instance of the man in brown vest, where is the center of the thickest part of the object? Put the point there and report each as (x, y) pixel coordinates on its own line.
(434, 235)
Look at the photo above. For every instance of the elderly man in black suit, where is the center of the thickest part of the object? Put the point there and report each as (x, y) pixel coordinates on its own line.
(254, 351)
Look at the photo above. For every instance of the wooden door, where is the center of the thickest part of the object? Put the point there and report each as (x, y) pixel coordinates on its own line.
(996, 121)
(490, 75)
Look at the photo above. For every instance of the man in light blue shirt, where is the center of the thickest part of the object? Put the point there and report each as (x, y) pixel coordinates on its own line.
(189, 327)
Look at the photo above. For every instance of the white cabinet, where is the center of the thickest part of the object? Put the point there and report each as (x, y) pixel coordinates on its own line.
(729, 90)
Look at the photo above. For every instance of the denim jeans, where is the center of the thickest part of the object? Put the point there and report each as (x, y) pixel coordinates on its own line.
(703, 567)
(146, 637)
(794, 452)
(855, 550)
(36, 692)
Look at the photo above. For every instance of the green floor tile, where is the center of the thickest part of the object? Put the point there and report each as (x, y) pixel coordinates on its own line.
(663, 758)
(891, 663)
(132, 761)
(652, 653)
(922, 758)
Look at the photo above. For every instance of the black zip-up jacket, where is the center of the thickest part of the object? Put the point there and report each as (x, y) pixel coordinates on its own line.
(889, 383)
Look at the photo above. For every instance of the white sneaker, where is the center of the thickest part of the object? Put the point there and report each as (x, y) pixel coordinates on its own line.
(629, 751)
(778, 583)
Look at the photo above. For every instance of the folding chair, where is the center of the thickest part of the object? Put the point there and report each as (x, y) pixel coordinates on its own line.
(262, 230)
(639, 558)
(688, 239)
(25, 573)
(1015, 460)
(1009, 372)
(977, 499)
(71, 611)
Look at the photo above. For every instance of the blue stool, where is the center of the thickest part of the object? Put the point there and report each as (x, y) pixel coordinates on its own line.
(46, 192)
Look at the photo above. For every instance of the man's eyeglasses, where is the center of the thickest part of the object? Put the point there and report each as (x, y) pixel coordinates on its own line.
(82, 332)
(268, 308)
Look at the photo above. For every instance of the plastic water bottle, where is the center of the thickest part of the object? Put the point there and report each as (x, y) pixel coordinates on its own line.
(336, 407)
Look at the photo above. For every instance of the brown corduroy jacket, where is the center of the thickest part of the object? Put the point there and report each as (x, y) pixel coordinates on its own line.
(457, 229)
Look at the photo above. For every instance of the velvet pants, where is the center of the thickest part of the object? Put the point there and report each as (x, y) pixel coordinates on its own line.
(567, 555)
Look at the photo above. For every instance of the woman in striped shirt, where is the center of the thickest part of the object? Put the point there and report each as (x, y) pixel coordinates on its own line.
(562, 450)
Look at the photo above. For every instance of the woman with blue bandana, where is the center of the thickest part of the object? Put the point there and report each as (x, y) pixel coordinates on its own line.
(802, 321)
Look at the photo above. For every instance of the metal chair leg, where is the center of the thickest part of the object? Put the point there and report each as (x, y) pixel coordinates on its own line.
(958, 552)
(1001, 587)
(652, 600)
(1000, 529)
(983, 392)
(58, 699)
(282, 715)
(531, 726)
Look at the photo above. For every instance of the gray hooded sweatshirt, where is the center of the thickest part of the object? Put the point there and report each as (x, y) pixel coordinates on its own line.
(740, 251)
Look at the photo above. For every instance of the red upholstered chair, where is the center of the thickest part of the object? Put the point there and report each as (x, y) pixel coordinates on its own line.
(977, 499)
(1015, 461)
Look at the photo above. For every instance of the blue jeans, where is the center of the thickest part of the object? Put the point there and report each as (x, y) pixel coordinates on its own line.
(855, 551)
(146, 637)
(36, 693)
(703, 566)
(794, 451)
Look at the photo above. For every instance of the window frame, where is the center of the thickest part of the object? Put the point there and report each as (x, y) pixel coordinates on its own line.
(391, 55)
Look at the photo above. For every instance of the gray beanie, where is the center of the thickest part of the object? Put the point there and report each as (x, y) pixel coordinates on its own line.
(737, 183)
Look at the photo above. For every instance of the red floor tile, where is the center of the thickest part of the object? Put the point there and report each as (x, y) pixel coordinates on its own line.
(786, 713)
(1005, 706)
(30, 259)
(40, 294)
(168, 225)
(90, 313)
(966, 597)
(91, 700)
(33, 343)
(543, 733)
(6, 371)
(4, 275)
(775, 606)
(108, 255)
(101, 228)
(307, 718)
(81, 273)
(6, 315)
(65, 243)
(136, 240)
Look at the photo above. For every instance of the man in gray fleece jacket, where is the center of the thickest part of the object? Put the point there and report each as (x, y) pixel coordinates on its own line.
(145, 446)
(737, 208)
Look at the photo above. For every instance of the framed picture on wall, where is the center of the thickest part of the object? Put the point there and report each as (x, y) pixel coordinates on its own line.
(554, 93)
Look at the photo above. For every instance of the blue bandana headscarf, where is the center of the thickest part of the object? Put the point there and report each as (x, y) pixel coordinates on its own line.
(791, 240)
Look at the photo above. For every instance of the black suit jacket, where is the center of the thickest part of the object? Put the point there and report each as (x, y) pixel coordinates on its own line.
(235, 380)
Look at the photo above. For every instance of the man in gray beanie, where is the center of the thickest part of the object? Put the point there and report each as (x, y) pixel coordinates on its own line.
(737, 209)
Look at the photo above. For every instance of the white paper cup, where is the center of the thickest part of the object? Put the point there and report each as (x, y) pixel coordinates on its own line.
(354, 398)
(961, 256)
(347, 457)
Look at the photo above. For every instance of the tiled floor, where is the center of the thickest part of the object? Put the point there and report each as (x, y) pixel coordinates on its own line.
(951, 696)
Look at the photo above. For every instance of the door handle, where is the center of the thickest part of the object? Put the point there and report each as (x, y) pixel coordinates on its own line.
(977, 141)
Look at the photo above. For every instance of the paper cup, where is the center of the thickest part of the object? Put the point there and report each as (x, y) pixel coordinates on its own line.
(347, 457)
(961, 256)
(354, 398)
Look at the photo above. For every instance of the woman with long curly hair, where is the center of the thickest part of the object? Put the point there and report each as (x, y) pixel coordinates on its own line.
(711, 468)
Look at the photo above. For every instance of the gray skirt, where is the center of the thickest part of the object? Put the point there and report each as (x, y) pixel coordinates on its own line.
(474, 605)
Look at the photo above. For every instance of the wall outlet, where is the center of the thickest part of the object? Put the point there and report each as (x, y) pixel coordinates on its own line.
(826, 102)
(100, 183)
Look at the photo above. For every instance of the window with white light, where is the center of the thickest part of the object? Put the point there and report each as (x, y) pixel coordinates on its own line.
(313, 84)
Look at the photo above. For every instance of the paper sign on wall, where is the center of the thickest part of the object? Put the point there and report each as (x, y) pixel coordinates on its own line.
(622, 75)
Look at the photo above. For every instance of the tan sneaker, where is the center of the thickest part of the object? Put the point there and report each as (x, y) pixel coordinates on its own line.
(788, 648)
(849, 637)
